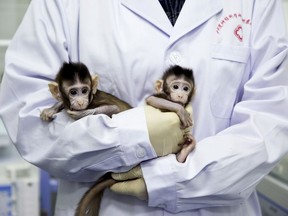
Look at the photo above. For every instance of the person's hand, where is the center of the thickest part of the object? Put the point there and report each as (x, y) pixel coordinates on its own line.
(131, 183)
(164, 130)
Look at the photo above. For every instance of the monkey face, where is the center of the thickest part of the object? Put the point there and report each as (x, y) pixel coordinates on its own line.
(180, 90)
(79, 99)
(79, 96)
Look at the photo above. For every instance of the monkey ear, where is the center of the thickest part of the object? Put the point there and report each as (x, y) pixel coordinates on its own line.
(54, 89)
(159, 86)
(95, 79)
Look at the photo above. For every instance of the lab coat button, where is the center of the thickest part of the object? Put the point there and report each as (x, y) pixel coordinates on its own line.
(175, 57)
(141, 153)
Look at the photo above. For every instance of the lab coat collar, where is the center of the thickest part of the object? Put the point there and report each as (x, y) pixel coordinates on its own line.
(150, 10)
(193, 14)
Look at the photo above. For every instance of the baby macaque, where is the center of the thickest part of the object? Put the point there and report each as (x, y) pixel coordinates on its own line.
(76, 91)
(173, 93)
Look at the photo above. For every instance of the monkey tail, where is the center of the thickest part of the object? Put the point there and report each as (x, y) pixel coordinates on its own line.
(89, 204)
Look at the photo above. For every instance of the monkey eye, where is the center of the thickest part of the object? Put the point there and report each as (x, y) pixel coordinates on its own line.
(85, 90)
(73, 92)
(186, 88)
(175, 87)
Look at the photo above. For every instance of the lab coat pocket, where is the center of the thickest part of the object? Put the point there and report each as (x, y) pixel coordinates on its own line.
(226, 71)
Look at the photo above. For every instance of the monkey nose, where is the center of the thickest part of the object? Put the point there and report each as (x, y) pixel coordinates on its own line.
(80, 103)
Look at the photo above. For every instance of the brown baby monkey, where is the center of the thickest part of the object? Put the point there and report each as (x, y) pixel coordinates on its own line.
(173, 93)
(76, 91)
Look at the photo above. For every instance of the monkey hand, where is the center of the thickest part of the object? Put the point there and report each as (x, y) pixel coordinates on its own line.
(186, 147)
(164, 131)
(48, 114)
(130, 183)
(185, 117)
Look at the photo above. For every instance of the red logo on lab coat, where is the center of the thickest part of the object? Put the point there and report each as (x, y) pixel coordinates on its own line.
(238, 32)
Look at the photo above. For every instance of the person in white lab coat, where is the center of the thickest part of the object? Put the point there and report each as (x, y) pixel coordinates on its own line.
(238, 51)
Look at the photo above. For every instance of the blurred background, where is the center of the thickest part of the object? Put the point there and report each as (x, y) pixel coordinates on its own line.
(27, 191)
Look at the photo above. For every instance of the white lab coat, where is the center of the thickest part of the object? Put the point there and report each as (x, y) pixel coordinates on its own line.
(238, 51)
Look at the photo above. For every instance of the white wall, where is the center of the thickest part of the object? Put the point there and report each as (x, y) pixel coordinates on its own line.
(285, 3)
(11, 14)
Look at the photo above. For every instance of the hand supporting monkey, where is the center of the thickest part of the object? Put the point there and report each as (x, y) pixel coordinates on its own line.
(130, 183)
(164, 131)
(166, 137)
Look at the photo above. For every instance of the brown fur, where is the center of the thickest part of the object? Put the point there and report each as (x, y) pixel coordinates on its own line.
(102, 98)
(90, 202)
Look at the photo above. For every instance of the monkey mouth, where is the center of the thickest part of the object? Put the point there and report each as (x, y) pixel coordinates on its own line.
(180, 102)
(77, 108)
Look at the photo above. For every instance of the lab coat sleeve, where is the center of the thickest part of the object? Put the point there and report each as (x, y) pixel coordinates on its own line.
(75, 150)
(224, 169)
